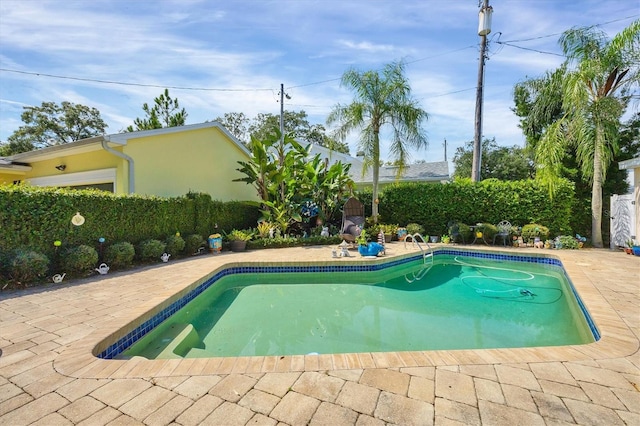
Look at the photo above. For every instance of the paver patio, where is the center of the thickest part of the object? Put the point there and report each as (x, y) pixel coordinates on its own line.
(48, 375)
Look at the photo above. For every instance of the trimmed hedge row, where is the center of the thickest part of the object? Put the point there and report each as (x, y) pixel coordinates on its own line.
(434, 206)
(34, 217)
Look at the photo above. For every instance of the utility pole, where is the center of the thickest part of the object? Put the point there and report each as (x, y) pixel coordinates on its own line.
(484, 28)
(445, 150)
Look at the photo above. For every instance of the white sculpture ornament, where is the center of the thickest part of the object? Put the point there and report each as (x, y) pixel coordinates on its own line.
(165, 257)
(57, 278)
(325, 231)
(102, 269)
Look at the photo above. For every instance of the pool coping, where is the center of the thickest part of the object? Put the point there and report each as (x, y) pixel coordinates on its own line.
(78, 359)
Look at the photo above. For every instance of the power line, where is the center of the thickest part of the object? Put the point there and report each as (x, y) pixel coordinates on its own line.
(122, 83)
(557, 34)
(530, 49)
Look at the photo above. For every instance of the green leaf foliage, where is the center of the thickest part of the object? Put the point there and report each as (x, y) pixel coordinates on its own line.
(27, 266)
(119, 255)
(151, 250)
(79, 260)
(435, 206)
(34, 217)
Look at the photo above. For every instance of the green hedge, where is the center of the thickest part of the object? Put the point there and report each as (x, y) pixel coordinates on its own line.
(33, 217)
(435, 205)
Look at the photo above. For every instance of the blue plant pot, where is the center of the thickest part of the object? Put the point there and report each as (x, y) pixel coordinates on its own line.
(371, 249)
(636, 250)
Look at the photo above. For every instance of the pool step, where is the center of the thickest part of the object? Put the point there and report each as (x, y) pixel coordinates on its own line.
(184, 337)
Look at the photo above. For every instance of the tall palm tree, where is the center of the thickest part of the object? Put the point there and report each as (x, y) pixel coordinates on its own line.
(600, 76)
(380, 98)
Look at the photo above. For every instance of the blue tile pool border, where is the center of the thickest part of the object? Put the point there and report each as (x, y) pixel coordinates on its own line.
(133, 336)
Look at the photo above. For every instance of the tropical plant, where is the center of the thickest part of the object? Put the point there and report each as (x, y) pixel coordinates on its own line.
(264, 229)
(532, 230)
(286, 178)
(567, 242)
(381, 99)
(414, 228)
(239, 235)
(388, 228)
(52, 124)
(595, 85)
(362, 239)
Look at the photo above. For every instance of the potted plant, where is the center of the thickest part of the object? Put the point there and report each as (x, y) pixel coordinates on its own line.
(414, 228)
(389, 230)
(635, 247)
(238, 239)
(446, 239)
(628, 246)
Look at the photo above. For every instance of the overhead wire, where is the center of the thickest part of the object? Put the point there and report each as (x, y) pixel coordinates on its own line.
(123, 83)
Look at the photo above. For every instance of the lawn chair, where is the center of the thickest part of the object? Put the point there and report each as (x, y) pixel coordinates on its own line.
(352, 220)
(504, 231)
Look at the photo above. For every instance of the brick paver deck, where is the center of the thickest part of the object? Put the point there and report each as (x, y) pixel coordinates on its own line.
(48, 375)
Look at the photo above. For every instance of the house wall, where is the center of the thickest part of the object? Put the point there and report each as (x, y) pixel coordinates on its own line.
(199, 160)
(77, 163)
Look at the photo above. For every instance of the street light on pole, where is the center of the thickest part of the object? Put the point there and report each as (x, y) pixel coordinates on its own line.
(484, 28)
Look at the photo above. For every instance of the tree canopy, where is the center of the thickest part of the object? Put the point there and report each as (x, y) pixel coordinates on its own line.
(578, 107)
(296, 124)
(381, 99)
(498, 162)
(52, 124)
(165, 112)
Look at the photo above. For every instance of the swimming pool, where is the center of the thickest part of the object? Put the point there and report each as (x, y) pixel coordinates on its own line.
(465, 300)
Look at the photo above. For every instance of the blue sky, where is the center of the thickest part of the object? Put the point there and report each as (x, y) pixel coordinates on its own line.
(239, 52)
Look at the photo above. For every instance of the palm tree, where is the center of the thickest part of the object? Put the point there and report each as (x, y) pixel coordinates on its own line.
(381, 98)
(596, 87)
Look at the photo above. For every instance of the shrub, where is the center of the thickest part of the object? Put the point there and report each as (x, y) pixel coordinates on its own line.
(80, 259)
(119, 255)
(414, 228)
(175, 245)
(568, 242)
(532, 230)
(26, 266)
(489, 231)
(151, 249)
(193, 243)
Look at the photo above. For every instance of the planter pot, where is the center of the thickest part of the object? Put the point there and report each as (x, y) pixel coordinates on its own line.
(388, 238)
(433, 239)
(628, 250)
(238, 245)
(371, 249)
(636, 250)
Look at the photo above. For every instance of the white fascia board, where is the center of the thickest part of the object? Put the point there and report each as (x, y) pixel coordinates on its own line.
(629, 164)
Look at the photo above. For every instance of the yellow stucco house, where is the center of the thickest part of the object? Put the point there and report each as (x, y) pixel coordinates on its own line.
(164, 162)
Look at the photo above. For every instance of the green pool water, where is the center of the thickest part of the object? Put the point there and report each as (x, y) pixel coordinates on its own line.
(456, 303)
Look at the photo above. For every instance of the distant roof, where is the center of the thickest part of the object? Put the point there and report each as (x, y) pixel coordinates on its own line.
(629, 164)
(421, 172)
